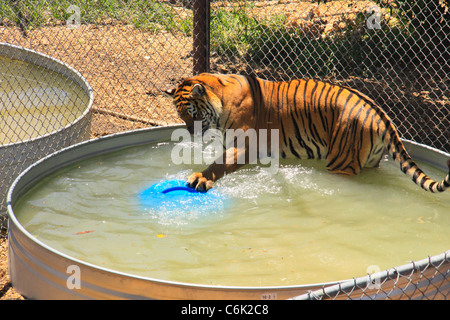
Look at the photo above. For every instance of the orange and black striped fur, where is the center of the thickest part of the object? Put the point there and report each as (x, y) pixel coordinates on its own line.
(316, 120)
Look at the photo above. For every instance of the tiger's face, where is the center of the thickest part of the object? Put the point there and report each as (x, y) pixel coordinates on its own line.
(193, 103)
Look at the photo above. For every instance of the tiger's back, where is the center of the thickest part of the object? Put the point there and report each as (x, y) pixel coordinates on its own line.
(319, 120)
(314, 119)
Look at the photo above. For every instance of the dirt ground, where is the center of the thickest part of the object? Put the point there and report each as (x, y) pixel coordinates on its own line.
(7, 292)
(135, 66)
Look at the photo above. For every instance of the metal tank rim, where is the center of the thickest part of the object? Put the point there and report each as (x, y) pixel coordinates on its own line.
(36, 278)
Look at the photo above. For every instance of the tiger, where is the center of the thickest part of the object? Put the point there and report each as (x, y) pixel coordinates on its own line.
(314, 119)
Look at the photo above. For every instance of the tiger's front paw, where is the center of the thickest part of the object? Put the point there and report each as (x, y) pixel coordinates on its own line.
(200, 183)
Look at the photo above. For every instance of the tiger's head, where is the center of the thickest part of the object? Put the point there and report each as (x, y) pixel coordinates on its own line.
(196, 101)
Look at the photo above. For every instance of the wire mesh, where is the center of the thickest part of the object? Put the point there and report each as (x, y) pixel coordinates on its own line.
(427, 279)
(395, 51)
(44, 107)
(376, 47)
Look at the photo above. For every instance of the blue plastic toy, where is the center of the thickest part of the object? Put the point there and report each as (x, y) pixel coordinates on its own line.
(175, 196)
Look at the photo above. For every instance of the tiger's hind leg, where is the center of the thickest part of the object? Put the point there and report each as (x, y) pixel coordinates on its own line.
(348, 170)
(343, 165)
(350, 158)
(374, 162)
(352, 161)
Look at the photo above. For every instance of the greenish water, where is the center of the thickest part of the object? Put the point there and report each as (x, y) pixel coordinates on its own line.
(300, 225)
(35, 101)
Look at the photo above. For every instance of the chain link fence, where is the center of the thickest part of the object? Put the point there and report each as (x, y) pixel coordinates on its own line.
(395, 51)
(427, 279)
(377, 47)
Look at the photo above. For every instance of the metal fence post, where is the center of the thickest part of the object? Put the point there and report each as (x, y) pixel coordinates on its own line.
(201, 36)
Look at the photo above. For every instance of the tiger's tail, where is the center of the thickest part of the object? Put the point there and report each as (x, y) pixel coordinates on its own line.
(409, 167)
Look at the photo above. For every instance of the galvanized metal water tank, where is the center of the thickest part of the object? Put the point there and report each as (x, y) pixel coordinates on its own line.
(40, 272)
(18, 151)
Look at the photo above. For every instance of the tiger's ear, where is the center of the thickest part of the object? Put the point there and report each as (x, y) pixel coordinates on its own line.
(170, 92)
(197, 91)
